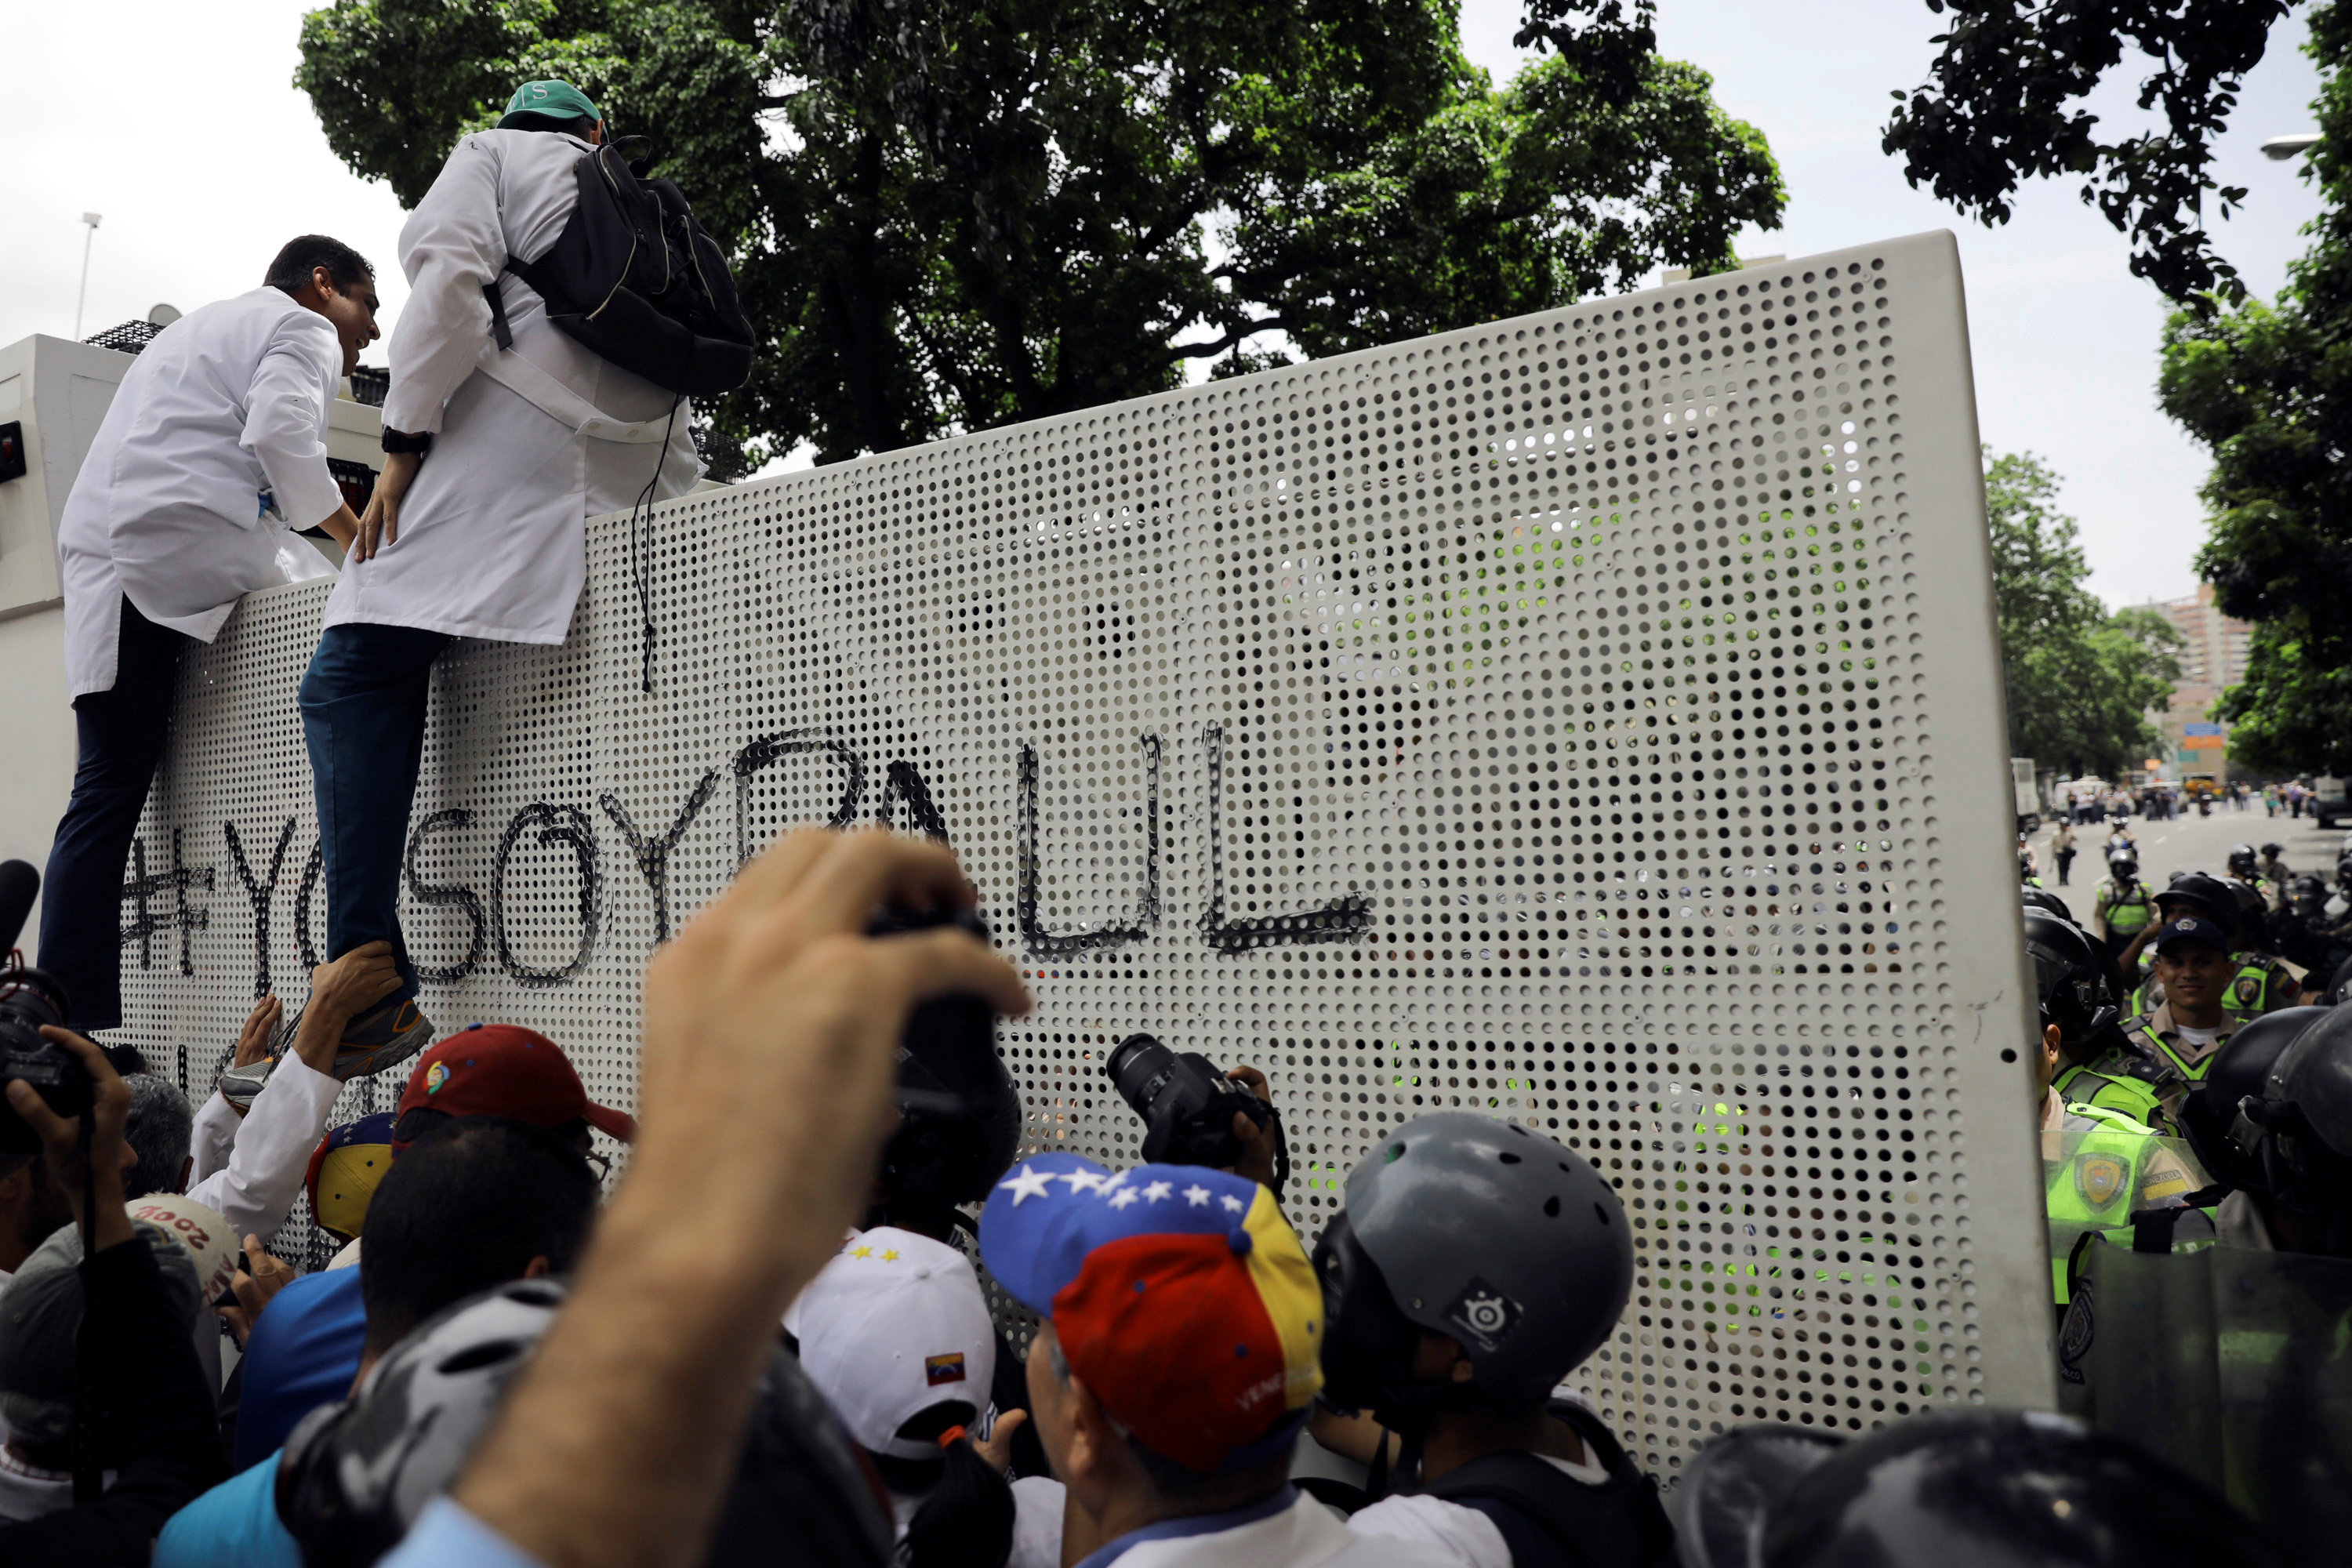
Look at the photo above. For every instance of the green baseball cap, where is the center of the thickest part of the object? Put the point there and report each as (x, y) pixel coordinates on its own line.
(548, 101)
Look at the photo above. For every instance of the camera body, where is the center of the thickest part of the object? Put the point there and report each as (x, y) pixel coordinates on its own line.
(960, 1112)
(28, 999)
(1187, 1105)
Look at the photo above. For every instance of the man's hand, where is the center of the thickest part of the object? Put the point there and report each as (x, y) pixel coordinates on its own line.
(341, 992)
(771, 1025)
(263, 1276)
(769, 1022)
(998, 1450)
(379, 524)
(61, 1139)
(1256, 1161)
(260, 1031)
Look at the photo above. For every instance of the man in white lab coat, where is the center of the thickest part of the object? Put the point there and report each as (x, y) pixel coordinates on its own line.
(476, 528)
(212, 451)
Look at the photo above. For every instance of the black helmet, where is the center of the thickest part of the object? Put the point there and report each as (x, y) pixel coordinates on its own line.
(2300, 1129)
(2273, 851)
(2070, 978)
(355, 1475)
(2241, 860)
(2241, 1068)
(1991, 1489)
(2339, 985)
(2210, 896)
(2049, 903)
(1460, 1225)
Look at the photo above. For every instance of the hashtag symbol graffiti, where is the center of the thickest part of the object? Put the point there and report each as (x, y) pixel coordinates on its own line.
(144, 892)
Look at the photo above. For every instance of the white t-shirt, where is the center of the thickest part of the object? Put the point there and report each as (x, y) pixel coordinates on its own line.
(1463, 1533)
(2199, 1040)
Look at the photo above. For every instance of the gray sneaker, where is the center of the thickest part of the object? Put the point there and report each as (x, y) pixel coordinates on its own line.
(381, 1039)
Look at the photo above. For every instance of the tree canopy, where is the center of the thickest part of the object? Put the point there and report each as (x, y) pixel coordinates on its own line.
(2269, 390)
(2081, 682)
(948, 217)
(2002, 103)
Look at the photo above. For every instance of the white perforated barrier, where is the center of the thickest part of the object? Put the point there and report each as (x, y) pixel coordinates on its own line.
(1592, 719)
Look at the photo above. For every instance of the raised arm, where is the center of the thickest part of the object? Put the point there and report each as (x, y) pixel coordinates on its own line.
(451, 246)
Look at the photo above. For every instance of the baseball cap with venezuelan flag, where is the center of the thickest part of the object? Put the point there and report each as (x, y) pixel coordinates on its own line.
(1180, 1295)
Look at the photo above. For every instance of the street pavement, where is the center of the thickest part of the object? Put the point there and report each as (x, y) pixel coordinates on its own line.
(2189, 843)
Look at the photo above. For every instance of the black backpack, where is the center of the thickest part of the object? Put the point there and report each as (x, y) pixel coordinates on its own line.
(635, 278)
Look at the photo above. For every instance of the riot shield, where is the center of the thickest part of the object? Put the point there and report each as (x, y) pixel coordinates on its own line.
(2233, 1363)
(2096, 1176)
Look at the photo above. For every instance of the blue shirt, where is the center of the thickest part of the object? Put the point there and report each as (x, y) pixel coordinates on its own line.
(304, 1351)
(446, 1536)
(236, 1521)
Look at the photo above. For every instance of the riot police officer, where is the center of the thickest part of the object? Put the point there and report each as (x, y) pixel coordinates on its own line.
(2250, 1216)
(1475, 1266)
(2262, 983)
(2098, 1065)
(2123, 906)
(2298, 1134)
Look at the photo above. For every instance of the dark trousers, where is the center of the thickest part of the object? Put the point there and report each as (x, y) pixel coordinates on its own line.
(363, 704)
(2065, 863)
(120, 734)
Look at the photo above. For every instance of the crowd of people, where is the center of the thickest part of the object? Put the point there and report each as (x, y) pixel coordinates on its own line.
(771, 1342)
(768, 1339)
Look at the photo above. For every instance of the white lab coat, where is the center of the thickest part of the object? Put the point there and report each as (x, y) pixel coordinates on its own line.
(528, 443)
(226, 403)
(249, 1172)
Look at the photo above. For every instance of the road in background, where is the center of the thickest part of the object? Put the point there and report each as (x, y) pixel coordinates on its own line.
(2189, 843)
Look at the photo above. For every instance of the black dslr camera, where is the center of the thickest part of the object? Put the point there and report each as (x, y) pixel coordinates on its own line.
(1188, 1107)
(29, 999)
(959, 1113)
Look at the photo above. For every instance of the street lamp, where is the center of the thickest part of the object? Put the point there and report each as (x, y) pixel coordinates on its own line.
(2279, 149)
(92, 234)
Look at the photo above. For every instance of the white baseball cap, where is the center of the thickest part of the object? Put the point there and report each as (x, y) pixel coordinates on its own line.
(895, 1324)
(210, 1240)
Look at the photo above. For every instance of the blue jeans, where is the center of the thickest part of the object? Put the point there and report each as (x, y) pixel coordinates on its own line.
(120, 734)
(363, 703)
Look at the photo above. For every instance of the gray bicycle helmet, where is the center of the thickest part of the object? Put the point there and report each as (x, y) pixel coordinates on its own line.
(355, 1476)
(1479, 1230)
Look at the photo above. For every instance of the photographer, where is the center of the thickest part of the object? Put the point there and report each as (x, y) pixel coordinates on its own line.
(771, 1031)
(148, 1410)
(1475, 1266)
(1195, 1114)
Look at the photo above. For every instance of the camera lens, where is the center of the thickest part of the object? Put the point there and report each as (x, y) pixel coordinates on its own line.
(1138, 1069)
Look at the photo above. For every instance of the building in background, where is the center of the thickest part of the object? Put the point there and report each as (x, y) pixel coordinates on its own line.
(2213, 661)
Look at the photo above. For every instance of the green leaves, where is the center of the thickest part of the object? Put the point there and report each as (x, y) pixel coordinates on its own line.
(2268, 389)
(2080, 681)
(2001, 104)
(949, 217)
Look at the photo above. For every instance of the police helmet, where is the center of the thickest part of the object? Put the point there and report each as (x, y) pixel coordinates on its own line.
(2070, 978)
(2207, 896)
(1460, 1225)
(2241, 860)
(2241, 1068)
(355, 1475)
(2123, 862)
(2049, 903)
(2273, 851)
(2300, 1128)
(1992, 1489)
(2339, 985)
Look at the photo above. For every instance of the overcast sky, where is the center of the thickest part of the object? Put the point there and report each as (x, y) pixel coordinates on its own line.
(202, 158)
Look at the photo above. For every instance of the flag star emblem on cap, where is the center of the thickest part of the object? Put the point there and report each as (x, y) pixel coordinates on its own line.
(1232, 1205)
(1158, 1191)
(1028, 1183)
(1197, 1196)
(1084, 1181)
(1124, 1197)
(890, 1257)
(861, 1252)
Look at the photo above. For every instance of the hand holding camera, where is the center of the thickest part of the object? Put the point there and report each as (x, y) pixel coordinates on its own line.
(1195, 1114)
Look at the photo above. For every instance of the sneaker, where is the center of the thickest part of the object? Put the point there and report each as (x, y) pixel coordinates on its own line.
(383, 1038)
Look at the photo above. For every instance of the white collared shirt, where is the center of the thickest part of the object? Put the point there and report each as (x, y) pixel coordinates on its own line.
(251, 1176)
(226, 403)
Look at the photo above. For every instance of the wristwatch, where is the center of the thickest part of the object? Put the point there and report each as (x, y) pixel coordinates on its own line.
(402, 441)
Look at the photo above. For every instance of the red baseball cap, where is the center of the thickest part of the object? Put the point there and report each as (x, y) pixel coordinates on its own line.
(504, 1070)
